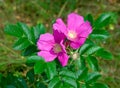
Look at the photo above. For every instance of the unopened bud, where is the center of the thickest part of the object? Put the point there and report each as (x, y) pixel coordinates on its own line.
(75, 56)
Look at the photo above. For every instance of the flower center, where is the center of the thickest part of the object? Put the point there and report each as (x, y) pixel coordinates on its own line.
(57, 48)
(72, 34)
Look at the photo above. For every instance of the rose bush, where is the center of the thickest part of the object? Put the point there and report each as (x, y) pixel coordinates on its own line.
(67, 58)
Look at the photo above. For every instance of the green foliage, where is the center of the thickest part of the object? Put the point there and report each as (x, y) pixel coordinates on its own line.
(26, 31)
(100, 85)
(12, 81)
(99, 34)
(68, 74)
(29, 50)
(51, 69)
(33, 59)
(82, 74)
(89, 18)
(26, 37)
(13, 30)
(21, 44)
(85, 47)
(0, 77)
(80, 63)
(30, 75)
(39, 66)
(103, 20)
(70, 81)
(53, 82)
(92, 77)
(37, 30)
(93, 63)
(92, 50)
(104, 54)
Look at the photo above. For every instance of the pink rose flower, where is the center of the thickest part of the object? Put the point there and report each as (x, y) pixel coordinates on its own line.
(51, 47)
(76, 30)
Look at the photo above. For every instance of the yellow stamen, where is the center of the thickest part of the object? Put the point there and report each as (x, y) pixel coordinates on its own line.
(57, 48)
(72, 34)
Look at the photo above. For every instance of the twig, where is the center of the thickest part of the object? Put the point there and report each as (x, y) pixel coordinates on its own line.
(13, 62)
(8, 49)
(62, 8)
(21, 60)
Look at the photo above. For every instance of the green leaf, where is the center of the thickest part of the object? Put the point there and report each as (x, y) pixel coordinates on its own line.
(22, 82)
(104, 54)
(90, 42)
(86, 46)
(83, 48)
(39, 29)
(67, 73)
(21, 44)
(39, 66)
(99, 34)
(85, 86)
(41, 85)
(93, 63)
(34, 58)
(102, 20)
(30, 75)
(51, 69)
(92, 50)
(0, 77)
(29, 50)
(59, 85)
(70, 81)
(100, 85)
(89, 18)
(53, 82)
(80, 63)
(10, 86)
(82, 74)
(66, 85)
(27, 32)
(92, 77)
(13, 30)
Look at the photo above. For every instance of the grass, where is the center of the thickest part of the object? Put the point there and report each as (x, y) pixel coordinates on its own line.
(46, 11)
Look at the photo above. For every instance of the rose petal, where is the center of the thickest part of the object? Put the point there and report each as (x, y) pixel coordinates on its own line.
(63, 58)
(60, 26)
(63, 47)
(58, 36)
(45, 42)
(47, 55)
(77, 44)
(84, 29)
(74, 21)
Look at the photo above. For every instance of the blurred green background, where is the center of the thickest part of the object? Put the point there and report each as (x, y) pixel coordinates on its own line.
(33, 12)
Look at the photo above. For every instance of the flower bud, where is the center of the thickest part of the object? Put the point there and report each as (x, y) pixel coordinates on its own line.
(75, 56)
